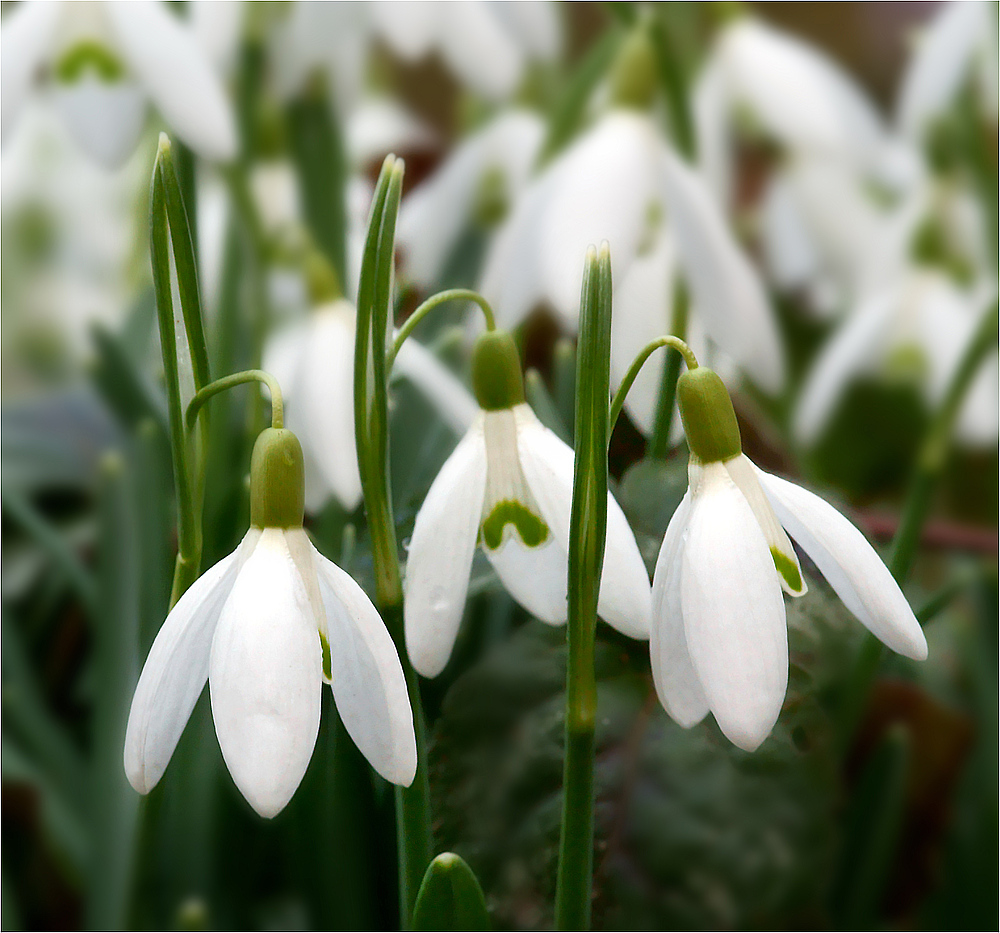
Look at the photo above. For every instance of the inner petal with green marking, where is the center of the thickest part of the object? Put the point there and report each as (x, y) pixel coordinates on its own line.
(788, 569)
(89, 56)
(519, 518)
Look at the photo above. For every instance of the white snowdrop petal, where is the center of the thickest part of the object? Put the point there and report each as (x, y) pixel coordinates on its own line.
(674, 675)
(480, 49)
(725, 288)
(744, 474)
(265, 677)
(849, 563)
(323, 400)
(734, 615)
(177, 75)
(855, 346)
(453, 401)
(547, 463)
(440, 555)
(105, 119)
(367, 678)
(24, 36)
(176, 670)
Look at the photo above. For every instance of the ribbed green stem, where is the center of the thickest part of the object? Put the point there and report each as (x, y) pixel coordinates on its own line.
(452, 294)
(238, 379)
(668, 340)
(588, 527)
(371, 425)
(659, 443)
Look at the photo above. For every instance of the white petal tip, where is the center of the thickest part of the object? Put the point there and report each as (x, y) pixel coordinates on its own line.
(747, 736)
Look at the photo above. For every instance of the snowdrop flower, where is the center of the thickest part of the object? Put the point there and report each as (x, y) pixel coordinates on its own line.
(481, 177)
(508, 486)
(718, 641)
(103, 62)
(784, 88)
(622, 183)
(267, 626)
(315, 359)
(959, 43)
(916, 327)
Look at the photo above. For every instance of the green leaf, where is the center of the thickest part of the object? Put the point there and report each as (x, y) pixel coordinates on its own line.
(450, 897)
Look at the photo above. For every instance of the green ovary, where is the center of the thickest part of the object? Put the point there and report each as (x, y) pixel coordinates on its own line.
(89, 56)
(531, 529)
(788, 569)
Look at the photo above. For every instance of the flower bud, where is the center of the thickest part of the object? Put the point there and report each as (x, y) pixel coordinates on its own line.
(496, 371)
(707, 413)
(277, 480)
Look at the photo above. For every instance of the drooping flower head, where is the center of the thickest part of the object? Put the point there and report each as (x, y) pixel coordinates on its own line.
(508, 487)
(718, 641)
(266, 627)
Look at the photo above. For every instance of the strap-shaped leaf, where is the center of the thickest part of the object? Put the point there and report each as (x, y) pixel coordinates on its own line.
(450, 897)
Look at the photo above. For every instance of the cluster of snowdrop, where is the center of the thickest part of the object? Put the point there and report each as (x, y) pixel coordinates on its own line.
(272, 622)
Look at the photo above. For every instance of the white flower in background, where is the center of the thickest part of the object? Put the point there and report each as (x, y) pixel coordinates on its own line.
(622, 183)
(508, 486)
(102, 63)
(486, 45)
(718, 641)
(958, 45)
(379, 125)
(314, 358)
(766, 81)
(483, 176)
(916, 329)
(267, 626)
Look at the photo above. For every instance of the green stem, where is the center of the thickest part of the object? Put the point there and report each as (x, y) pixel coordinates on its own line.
(659, 443)
(452, 294)
(668, 340)
(371, 424)
(238, 379)
(588, 527)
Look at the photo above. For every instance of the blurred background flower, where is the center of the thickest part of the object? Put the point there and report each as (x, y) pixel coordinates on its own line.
(809, 191)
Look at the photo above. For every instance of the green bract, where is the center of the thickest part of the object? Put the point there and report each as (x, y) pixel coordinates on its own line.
(708, 416)
(496, 371)
(277, 480)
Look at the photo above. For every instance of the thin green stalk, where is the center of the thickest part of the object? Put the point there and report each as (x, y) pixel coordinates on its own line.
(588, 527)
(238, 379)
(675, 89)
(659, 443)
(371, 422)
(668, 340)
(452, 294)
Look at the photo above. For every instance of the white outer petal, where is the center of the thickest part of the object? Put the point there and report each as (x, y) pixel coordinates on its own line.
(24, 38)
(624, 600)
(368, 683)
(453, 401)
(642, 309)
(734, 615)
(440, 556)
(105, 119)
(266, 676)
(176, 670)
(858, 343)
(479, 48)
(674, 675)
(942, 60)
(849, 564)
(726, 290)
(176, 73)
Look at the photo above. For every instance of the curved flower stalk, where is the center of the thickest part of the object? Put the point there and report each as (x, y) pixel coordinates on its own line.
(958, 44)
(916, 328)
(621, 182)
(508, 487)
(267, 626)
(480, 178)
(102, 63)
(315, 359)
(718, 641)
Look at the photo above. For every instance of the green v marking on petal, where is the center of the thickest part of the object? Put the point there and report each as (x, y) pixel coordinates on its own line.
(89, 56)
(530, 527)
(327, 662)
(788, 570)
